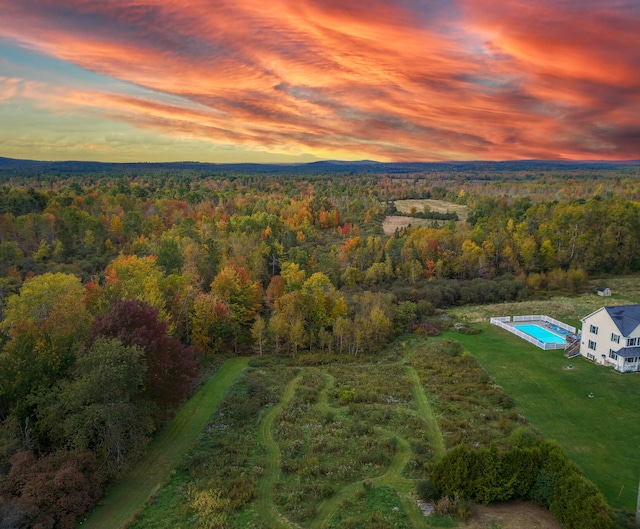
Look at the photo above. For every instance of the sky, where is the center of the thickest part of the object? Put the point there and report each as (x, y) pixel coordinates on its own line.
(289, 81)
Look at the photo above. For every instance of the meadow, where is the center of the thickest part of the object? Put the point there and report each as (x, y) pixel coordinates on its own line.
(438, 206)
(411, 206)
(340, 441)
(334, 441)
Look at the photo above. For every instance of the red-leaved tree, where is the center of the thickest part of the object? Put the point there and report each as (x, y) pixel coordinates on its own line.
(171, 366)
(54, 490)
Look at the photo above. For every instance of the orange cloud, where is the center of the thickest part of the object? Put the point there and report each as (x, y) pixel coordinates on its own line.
(403, 80)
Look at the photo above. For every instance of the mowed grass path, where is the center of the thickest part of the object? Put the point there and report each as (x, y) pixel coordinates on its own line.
(129, 495)
(265, 504)
(600, 433)
(268, 512)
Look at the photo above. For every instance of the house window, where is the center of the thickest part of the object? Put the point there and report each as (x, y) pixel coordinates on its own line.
(612, 354)
(631, 342)
(592, 345)
(630, 360)
(593, 329)
(590, 356)
(615, 338)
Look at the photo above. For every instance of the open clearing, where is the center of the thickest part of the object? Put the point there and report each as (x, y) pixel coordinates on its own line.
(343, 443)
(324, 443)
(439, 206)
(511, 515)
(394, 222)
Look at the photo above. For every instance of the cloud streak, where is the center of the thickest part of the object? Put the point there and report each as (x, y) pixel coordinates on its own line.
(403, 80)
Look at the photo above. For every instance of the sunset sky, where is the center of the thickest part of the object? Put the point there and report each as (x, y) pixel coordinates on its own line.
(301, 80)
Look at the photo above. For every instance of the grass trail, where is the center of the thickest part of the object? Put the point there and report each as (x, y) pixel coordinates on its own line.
(426, 412)
(265, 505)
(129, 495)
(393, 476)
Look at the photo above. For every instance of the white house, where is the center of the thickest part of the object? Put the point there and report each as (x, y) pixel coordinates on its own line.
(611, 336)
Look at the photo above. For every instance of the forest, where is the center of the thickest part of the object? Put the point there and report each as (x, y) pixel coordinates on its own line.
(122, 287)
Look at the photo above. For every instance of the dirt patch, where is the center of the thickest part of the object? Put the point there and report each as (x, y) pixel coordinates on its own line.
(511, 515)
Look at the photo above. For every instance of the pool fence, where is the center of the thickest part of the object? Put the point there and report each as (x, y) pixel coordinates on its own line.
(503, 322)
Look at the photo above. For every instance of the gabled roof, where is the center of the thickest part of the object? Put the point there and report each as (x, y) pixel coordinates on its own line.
(592, 314)
(628, 352)
(626, 317)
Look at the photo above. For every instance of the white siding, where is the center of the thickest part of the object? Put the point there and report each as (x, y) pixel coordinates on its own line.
(605, 327)
(603, 340)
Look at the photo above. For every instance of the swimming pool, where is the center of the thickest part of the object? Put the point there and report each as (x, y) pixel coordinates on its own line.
(540, 333)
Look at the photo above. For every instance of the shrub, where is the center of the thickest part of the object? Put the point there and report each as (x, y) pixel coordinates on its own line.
(578, 503)
(445, 505)
(427, 328)
(427, 491)
(543, 487)
(523, 437)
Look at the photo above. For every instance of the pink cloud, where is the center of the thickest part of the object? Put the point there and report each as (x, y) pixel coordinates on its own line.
(388, 80)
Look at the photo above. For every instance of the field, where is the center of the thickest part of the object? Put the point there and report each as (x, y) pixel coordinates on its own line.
(568, 309)
(439, 206)
(338, 442)
(596, 432)
(393, 222)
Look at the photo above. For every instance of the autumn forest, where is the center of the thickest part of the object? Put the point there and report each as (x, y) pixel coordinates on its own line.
(121, 288)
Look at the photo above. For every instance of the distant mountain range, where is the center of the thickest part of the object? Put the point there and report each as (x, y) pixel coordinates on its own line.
(17, 166)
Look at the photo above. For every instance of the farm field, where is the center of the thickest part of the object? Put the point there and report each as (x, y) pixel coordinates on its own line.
(339, 443)
(596, 432)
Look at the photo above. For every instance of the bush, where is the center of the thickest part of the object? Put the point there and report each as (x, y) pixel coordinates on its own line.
(444, 506)
(427, 328)
(427, 491)
(578, 503)
(453, 506)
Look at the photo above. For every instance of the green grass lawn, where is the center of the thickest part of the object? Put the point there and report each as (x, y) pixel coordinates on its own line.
(600, 434)
(130, 494)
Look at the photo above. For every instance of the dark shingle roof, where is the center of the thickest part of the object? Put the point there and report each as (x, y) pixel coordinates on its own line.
(628, 352)
(626, 317)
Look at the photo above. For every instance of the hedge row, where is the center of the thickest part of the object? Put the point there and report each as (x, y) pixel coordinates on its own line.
(537, 470)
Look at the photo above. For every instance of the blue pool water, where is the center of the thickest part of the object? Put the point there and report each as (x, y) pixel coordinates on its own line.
(540, 333)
